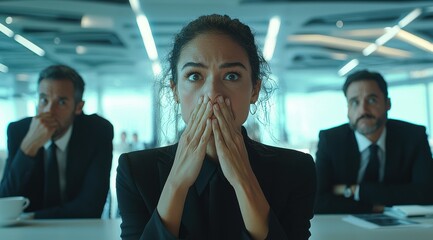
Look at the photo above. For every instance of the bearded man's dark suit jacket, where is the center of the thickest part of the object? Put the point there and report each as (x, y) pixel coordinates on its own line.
(408, 175)
(89, 158)
(287, 178)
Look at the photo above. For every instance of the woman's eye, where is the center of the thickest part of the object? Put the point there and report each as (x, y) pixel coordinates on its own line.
(232, 76)
(193, 77)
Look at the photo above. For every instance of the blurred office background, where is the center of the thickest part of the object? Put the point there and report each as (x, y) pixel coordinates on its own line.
(311, 46)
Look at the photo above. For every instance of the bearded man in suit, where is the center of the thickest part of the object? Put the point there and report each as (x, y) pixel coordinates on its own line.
(75, 183)
(372, 161)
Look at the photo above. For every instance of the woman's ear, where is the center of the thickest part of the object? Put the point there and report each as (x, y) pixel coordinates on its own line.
(256, 91)
(173, 87)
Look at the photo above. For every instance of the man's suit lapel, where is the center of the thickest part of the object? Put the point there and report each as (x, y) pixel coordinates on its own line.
(352, 158)
(392, 159)
(39, 180)
(72, 162)
(75, 160)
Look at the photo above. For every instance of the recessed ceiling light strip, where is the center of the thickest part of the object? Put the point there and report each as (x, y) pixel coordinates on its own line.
(271, 38)
(3, 68)
(6, 31)
(415, 40)
(29, 45)
(146, 35)
(348, 67)
(390, 32)
(410, 17)
(21, 40)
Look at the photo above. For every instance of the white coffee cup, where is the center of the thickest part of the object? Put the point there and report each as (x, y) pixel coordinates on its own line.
(12, 207)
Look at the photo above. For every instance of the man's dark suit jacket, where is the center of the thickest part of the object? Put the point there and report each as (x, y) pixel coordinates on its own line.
(408, 175)
(286, 177)
(89, 158)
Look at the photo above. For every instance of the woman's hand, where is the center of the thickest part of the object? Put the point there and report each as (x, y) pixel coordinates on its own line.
(230, 146)
(234, 161)
(192, 145)
(186, 167)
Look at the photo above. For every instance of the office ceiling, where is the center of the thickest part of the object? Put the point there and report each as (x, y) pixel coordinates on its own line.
(316, 39)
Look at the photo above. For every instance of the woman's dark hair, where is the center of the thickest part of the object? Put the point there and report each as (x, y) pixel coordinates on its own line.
(365, 75)
(63, 72)
(233, 28)
(238, 31)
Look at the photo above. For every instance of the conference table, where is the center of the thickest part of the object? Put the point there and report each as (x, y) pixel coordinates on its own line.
(332, 227)
(323, 227)
(55, 229)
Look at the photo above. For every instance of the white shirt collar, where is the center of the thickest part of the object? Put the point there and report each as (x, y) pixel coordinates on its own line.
(364, 142)
(63, 141)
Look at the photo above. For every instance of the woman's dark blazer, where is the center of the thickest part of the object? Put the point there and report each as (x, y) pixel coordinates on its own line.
(287, 178)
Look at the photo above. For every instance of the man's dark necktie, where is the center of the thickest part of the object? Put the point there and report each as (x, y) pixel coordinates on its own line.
(52, 185)
(372, 171)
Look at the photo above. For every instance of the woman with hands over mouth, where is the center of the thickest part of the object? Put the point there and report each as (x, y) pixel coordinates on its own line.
(216, 183)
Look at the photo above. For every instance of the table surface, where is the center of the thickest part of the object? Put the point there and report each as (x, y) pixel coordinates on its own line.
(332, 227)
(77, 229)
(323, 227)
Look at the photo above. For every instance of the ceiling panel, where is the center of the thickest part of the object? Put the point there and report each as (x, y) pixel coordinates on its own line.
(102, 37)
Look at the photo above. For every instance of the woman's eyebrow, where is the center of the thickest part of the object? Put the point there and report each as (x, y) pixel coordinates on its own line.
(224, 65)
(193, 64)
(233, 64)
